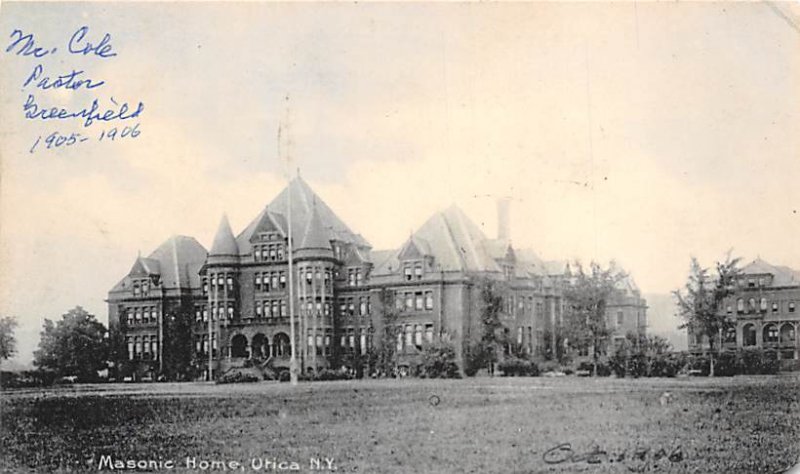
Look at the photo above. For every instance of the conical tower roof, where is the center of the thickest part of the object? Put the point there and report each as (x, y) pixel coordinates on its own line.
(224, 249)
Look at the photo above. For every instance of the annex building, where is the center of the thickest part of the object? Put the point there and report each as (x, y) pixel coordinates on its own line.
(762, 313)
(182, 301)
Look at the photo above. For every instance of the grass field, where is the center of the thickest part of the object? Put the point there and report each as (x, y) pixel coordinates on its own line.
(740, 424)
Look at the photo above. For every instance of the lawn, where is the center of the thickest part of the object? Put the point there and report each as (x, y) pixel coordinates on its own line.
(739, 424)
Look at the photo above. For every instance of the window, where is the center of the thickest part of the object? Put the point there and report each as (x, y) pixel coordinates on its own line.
(774, 307)
(359, 277)
(620, 318)
(409, 335)
(740, 305)
(519, 335)
(363, 341)
(230, 281)
(409, 301)
(791, 306)
(129, 315)
(729, 309)
(418, 271)
(130, 348)
(763, 305)
(283, 280)
(428, 300)
(418, 335)
(407, 272)
(399, 339)
(362, 306)
(751, 305)
(259, 309)
(770, 333)
(429, 333)
(419, 302)
(283, 309)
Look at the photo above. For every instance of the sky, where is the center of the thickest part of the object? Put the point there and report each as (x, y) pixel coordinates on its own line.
(647, 133)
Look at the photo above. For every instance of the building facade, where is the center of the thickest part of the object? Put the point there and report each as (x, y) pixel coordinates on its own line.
(229, 306)
(762, 313)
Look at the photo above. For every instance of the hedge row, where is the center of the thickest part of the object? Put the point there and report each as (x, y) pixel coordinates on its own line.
(514, 367)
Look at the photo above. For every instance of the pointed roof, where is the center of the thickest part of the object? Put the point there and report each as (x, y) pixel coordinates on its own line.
(224, 241)
(304, 199)
(454, 241)
(177, 261)
(316, 235)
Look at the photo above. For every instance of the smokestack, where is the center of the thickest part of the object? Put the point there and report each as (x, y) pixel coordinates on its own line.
(503, 232)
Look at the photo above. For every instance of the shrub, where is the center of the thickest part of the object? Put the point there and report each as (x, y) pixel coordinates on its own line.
(238, 377)
(438, 361)
(755, 361)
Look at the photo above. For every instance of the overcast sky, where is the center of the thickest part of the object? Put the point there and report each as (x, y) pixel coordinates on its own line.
(647, 133)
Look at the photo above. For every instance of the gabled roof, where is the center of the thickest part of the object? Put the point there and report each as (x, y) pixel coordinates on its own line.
(143, 267)
(177, 261)
(782, 276)
(303, 199)
(224, 241)
(415, 248)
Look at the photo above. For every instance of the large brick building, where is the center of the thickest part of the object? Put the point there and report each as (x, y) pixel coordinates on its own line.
(348, 297)
(762, 312)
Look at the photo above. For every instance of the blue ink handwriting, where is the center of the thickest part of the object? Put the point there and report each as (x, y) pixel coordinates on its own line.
(67, 81)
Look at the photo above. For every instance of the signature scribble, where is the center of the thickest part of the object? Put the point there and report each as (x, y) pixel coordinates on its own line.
(639, 459)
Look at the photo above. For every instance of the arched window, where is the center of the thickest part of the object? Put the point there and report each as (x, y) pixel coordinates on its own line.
(751, 305)
(787, 334)
(740, 305)
(763, 305)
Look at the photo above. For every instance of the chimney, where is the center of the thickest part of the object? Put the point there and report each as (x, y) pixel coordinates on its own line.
(502, 219)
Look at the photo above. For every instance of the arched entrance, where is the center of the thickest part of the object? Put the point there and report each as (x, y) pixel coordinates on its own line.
(239, 346)
(281, 345)
(749, 335)
(260, 346)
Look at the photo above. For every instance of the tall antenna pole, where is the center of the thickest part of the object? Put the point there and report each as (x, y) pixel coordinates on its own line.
(290, 253)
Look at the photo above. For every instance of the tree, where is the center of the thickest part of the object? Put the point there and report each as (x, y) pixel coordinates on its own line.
(700, 302)
(76, 345)
(587, 295)
(8, 343)
(484, 352)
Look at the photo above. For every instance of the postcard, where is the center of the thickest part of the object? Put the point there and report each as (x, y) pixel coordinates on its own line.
(399, 237)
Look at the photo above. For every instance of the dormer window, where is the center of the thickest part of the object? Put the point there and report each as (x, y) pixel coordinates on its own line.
(418, 270)
(407, 272)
